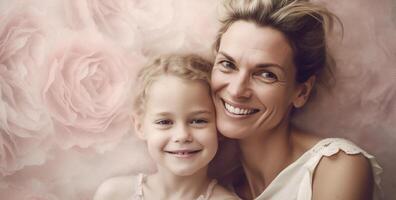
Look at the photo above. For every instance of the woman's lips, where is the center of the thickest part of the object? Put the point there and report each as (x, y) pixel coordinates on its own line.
(238, 110)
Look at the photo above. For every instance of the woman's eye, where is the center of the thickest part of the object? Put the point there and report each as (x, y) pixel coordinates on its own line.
(268, 76)
(226, 65)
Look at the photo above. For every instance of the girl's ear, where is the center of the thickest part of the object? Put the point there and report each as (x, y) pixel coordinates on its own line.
(303, 92)
(137, 124)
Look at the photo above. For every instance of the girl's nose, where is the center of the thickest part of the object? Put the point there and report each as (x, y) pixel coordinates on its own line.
(182, 134)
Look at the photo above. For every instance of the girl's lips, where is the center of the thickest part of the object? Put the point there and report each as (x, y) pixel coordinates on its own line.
(183, 153)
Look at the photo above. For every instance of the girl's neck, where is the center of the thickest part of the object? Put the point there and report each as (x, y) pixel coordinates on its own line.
(265, 155)
(166, 185)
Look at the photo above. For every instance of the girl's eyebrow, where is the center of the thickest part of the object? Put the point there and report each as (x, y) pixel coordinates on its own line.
(202, 112)
(163, 114)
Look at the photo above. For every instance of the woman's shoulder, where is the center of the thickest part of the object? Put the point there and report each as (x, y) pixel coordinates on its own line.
(121, 187)
(221, 193)
(349, 176)
(339, 167)
(344, 170)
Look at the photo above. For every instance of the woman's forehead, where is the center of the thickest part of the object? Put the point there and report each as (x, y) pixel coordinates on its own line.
(254, 35)
(247, 41)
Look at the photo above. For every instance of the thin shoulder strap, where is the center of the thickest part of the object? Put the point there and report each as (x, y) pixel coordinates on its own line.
(210, 189)
(139, 186)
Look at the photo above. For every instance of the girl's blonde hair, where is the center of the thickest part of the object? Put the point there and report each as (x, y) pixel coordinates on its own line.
(188, 67)
(304, 24)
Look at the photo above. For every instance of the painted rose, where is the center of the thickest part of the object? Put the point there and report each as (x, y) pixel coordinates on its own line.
(86, 93)
(175, 26)
(109, 17)
(29, 189)
(129, 23)
(24, 124)
(159, 24)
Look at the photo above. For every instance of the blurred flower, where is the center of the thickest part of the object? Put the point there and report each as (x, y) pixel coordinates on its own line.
(109, 17)
(24, 124)
(174, 26)
(29, 189)
(86, 92)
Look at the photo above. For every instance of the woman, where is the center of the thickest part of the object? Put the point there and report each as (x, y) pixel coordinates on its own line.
(269, 54)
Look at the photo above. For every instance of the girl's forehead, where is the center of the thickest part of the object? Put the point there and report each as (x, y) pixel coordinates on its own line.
(172, 87)
(177, 97)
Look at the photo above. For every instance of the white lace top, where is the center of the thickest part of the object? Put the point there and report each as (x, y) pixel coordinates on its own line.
(295, 181)
(139, 195)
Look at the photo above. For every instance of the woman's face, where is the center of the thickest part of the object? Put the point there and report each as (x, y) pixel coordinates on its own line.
(253, 80)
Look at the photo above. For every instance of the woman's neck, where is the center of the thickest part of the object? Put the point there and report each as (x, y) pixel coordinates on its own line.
(166, 185)
(265, 155)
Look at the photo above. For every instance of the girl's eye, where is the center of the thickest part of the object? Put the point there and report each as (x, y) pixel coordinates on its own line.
(268, 77)
(163, 122)
(199, 123)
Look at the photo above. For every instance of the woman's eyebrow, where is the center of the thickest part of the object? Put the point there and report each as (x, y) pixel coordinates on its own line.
(227, 56)
(267, 65)
(260, 65)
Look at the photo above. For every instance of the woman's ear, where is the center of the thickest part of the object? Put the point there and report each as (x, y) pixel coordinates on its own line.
(137, 124)
(303, 92)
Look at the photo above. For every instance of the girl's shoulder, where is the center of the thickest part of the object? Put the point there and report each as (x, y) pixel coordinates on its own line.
(121, 187)
(221, 193)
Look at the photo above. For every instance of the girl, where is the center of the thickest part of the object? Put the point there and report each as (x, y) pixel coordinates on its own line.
(175, 115)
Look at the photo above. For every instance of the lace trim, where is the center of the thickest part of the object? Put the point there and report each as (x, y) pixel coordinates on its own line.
(331, 146)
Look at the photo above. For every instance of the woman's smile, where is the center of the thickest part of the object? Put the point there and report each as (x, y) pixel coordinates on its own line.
(239, 110)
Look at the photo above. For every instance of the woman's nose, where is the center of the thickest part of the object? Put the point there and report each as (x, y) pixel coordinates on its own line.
(238, 88)
(182, 134)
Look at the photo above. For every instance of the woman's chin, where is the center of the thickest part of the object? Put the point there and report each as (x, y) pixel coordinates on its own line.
(232, 131)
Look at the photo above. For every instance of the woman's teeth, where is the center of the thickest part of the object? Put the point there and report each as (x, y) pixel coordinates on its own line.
(239, 111)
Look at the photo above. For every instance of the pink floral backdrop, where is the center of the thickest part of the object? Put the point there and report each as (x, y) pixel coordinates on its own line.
(66, 77)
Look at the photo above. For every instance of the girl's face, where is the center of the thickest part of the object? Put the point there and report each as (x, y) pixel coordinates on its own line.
(253, 80)
(179, 125)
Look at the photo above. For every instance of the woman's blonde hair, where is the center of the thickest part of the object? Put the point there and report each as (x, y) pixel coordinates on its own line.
(304, 24)
(189, 67)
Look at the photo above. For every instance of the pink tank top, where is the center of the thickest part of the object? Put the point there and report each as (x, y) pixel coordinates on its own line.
(142, 178)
